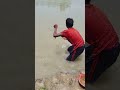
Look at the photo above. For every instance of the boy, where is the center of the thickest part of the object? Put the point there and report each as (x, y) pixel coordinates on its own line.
(104, 43)
(74, 37)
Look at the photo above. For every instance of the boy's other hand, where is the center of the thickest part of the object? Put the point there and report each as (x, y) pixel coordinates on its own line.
(55, 26)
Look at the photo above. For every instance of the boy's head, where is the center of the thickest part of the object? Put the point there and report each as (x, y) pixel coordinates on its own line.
(69, 22)
(87, 1)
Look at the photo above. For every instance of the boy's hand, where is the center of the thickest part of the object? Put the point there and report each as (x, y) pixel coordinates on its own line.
(55, 34)
(55, 26)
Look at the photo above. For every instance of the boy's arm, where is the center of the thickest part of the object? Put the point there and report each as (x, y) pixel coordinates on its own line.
(56, 34)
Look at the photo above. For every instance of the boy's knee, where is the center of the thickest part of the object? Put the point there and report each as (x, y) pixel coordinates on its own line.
(70, 49)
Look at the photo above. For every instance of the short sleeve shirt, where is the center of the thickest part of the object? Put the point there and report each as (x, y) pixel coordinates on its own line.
(74, 37)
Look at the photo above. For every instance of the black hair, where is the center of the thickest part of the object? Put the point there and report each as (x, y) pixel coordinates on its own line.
(69, 22)
(87, 1)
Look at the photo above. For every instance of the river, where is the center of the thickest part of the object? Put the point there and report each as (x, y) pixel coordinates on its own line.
(50, 53)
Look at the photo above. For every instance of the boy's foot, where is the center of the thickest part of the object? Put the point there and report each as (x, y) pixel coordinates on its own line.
(81, 80)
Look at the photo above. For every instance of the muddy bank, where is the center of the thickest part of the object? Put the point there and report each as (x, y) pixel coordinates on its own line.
(60, 81)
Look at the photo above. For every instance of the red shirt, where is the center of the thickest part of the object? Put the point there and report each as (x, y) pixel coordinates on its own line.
(74, 37)
(99, 32)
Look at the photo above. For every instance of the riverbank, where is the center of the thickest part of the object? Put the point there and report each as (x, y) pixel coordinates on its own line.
(60, 81)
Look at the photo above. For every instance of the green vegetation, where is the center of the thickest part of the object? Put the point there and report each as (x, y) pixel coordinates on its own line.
(42, 88)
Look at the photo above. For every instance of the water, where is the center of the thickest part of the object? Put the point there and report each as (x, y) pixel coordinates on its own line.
(50, 53)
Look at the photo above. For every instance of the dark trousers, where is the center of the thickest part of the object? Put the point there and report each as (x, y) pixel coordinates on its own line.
(106, 59)
(74, 54)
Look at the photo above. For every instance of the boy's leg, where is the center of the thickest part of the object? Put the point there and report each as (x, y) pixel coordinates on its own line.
(79, 51)
(70, 48)
(88, 60)
(107, 58)
(70, 51)
(88, 64)
(88, 51)
(74, 54)
(99, 68)
(70, 57)
(110, 56)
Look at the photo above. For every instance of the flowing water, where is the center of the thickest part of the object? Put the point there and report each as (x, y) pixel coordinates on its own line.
(50, 53)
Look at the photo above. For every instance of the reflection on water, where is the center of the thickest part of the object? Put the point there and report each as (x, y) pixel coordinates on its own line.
(50, 53)
(62, 4)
